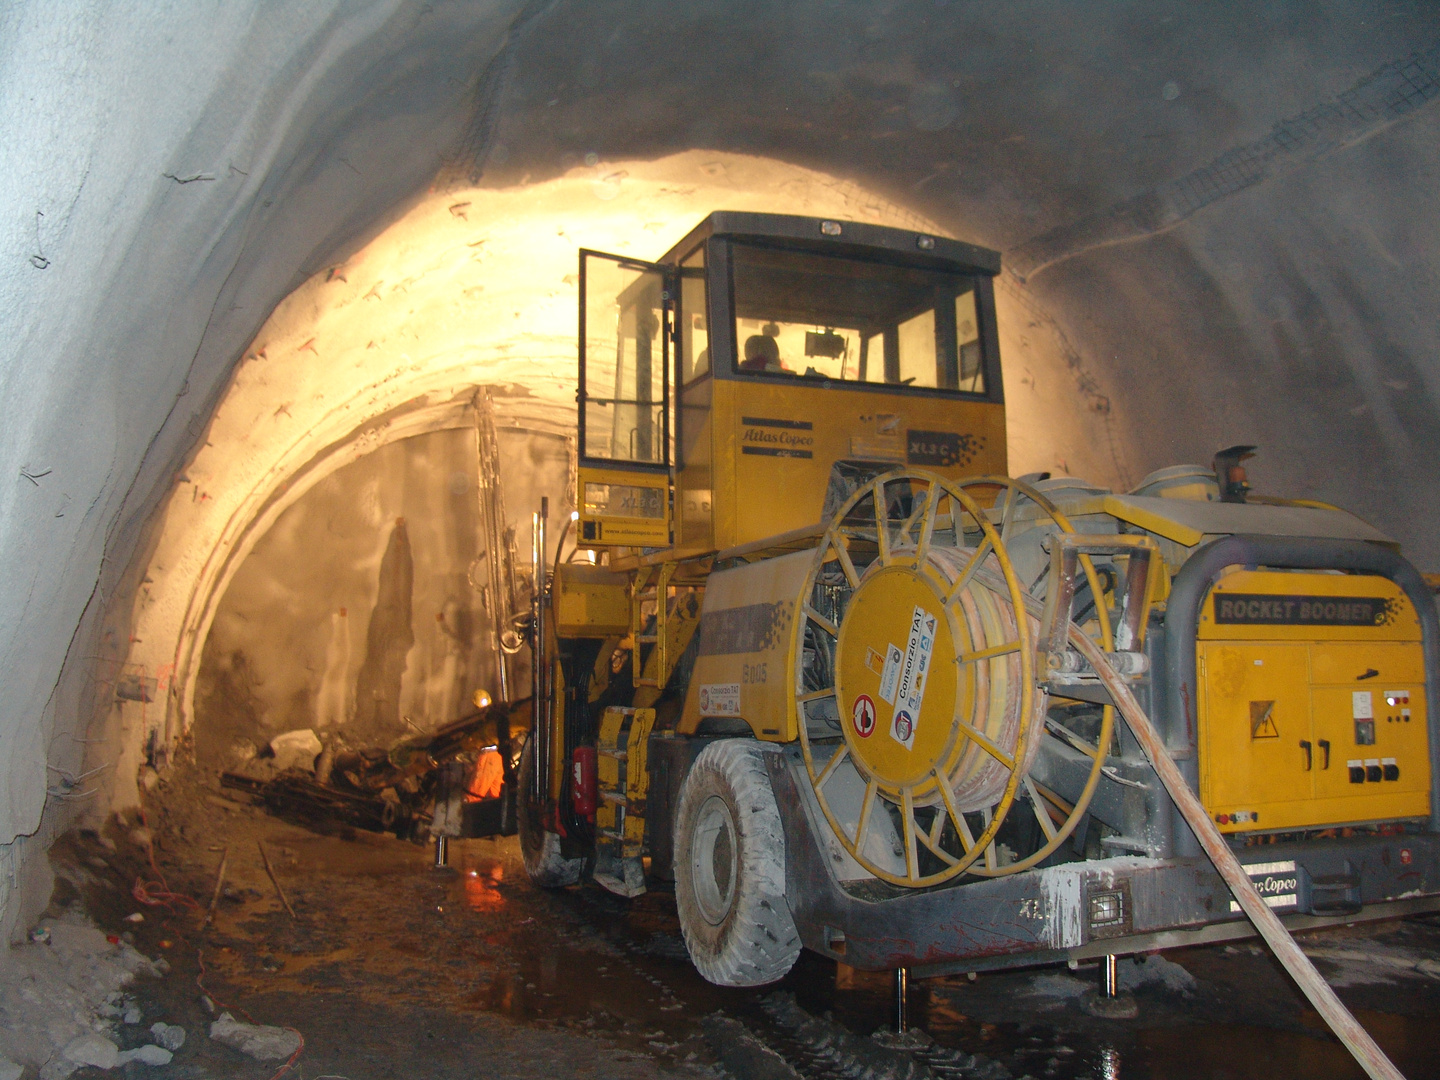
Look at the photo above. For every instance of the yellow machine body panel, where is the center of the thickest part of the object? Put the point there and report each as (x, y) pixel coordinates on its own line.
(590, 601)
(773, 445)
(745, 661)
(1311, 702)
(623, 506)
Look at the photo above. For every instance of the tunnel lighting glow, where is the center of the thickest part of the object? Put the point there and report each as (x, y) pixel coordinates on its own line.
(466, 289)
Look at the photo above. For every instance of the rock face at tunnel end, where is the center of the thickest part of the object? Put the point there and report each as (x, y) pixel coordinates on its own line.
(388, 638)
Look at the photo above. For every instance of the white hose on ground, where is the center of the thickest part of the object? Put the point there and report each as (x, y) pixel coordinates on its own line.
(1356, 1039)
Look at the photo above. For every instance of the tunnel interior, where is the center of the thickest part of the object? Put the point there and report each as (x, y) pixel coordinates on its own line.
(270, 294)
(400, 536)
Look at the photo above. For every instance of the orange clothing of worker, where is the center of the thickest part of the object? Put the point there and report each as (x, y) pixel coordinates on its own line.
(489, 774)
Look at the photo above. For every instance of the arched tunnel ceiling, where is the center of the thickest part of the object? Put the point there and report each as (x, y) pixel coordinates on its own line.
(1272, 314)
(472, 287)
(478, 287)
(173, 175)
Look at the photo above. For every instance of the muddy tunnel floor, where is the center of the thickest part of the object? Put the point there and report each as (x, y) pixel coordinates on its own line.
(390, 968)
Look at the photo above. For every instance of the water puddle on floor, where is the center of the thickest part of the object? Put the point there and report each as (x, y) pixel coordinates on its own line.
(376, 922)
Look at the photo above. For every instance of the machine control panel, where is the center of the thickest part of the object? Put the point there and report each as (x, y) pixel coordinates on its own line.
(1311, 702)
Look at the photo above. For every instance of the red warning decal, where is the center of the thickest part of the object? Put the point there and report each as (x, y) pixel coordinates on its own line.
(863, 716)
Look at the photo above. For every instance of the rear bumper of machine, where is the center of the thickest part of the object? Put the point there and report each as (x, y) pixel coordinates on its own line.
(1076, 910)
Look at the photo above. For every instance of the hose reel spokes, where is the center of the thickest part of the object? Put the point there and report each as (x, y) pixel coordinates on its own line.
(918, 701)
(930, 674)
(1034, 530)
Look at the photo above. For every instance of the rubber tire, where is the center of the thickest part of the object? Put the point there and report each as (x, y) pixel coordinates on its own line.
(750, 938)
(540, 848)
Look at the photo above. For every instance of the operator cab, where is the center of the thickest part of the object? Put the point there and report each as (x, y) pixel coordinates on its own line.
(766, 365)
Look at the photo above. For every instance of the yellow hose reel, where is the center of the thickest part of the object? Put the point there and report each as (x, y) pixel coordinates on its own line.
(917, 696)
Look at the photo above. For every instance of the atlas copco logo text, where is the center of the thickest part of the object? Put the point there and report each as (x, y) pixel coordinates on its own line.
(778, 437)
(1275, 884)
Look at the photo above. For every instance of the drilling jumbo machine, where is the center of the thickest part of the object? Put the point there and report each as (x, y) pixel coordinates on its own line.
(818, 660)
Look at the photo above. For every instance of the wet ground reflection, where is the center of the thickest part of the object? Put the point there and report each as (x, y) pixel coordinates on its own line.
(376, 924)
(619, 967)
(482, 886)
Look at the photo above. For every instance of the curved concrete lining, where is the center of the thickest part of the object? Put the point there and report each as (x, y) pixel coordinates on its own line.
(469, 287)
(1223, 214)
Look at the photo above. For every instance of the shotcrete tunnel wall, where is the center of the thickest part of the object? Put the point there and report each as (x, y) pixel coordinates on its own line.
(172, 175)
(305, 625)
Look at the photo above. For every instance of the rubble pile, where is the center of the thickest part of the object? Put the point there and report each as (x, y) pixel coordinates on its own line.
(63, 1002)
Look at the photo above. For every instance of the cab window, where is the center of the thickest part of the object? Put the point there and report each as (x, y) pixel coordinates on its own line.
(805, 315)
(694, 335)
(623, 353)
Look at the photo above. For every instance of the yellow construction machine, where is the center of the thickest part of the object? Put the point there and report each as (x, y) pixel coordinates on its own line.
(812, 656)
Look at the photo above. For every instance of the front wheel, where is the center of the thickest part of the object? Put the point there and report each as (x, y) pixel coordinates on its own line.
(730, 869)
(540, 848)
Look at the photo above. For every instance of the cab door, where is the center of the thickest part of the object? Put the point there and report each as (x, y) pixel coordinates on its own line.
(623, 481)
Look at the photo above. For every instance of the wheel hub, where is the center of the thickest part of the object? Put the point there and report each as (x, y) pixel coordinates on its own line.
(714, 860)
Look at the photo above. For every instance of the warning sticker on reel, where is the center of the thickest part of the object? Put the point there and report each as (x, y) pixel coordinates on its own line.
(890, 673)
(862, 716)
(913, 671)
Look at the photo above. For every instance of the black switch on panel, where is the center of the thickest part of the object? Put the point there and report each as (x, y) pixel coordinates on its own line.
(1357, 774)
(1372, 774)
(1392, 772)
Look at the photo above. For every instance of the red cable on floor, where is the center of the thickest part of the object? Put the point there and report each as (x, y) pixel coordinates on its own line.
(293, 1057)
(200, 958)
(146, 892)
